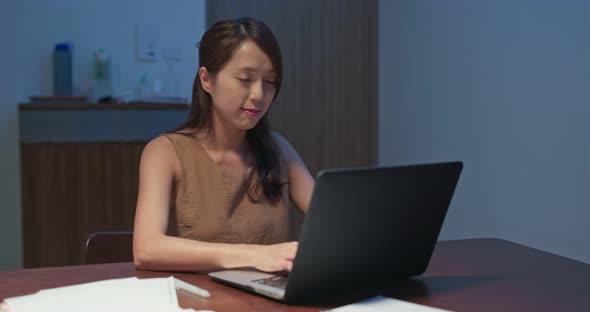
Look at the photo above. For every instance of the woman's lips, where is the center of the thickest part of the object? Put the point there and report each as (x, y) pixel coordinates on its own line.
(251, 112)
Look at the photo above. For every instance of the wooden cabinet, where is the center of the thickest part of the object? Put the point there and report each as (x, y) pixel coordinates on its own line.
(79, 173)
(71, 190)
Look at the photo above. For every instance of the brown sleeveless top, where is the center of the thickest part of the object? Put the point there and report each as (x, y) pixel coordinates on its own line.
(212, 203)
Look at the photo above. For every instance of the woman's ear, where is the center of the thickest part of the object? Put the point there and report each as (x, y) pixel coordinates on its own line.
(206, 79)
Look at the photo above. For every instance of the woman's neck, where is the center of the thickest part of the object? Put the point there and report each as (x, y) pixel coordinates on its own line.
(229, 151)
(222, 138)
(220, 142)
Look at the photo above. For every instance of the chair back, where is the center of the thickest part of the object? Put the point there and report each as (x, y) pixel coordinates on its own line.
(109, 247)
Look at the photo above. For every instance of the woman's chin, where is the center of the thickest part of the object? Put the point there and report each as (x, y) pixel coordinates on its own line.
(251, 126)
(247, 124)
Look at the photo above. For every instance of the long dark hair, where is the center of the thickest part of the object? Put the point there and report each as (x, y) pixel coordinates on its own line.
(215, 49)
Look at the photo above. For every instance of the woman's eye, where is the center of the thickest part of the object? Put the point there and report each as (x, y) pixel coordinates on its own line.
(245, 80)
(272, 82)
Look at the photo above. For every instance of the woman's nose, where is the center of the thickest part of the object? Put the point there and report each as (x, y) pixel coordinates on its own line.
(257, 92)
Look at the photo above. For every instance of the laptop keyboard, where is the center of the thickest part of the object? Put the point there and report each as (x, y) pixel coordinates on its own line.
(274, 281)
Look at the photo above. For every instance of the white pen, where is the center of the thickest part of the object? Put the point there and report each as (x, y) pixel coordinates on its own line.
(178, 284)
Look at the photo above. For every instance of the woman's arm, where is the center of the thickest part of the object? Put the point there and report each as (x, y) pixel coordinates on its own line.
(301, 182)
(154, 250)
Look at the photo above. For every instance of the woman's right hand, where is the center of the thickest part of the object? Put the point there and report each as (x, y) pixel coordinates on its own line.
(277, 257)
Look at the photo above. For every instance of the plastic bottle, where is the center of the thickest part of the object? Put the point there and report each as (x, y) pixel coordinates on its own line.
(102, 75)
(62, 70)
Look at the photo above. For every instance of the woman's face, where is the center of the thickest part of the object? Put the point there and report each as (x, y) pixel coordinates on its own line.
(243, 89)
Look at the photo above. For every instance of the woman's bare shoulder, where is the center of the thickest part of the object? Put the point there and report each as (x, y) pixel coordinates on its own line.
(160, 145)
(160, 151)
(280, 140)
(285, 147)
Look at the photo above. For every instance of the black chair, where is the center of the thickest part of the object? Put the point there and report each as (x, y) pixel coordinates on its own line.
(109, 247)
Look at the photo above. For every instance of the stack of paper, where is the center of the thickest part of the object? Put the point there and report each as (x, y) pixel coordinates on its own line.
(126, 294)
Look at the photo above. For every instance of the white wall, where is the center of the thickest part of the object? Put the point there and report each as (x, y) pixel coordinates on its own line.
(10, 225)
(109, 24)
(504, 86)
(29, 30)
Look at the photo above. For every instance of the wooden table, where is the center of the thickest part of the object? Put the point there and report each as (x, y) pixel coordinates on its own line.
(464, 275)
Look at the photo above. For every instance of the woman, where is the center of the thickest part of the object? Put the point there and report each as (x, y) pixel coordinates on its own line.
(214, 193)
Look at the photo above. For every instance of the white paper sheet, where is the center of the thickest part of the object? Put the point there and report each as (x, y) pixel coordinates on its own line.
(380, 303)
(125, 294)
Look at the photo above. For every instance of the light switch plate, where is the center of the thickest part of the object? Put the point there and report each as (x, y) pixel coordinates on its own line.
(147, 42)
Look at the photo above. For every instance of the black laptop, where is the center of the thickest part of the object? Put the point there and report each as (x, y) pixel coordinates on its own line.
(365, 228)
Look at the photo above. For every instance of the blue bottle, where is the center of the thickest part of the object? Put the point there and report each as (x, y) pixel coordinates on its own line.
(62, 70)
